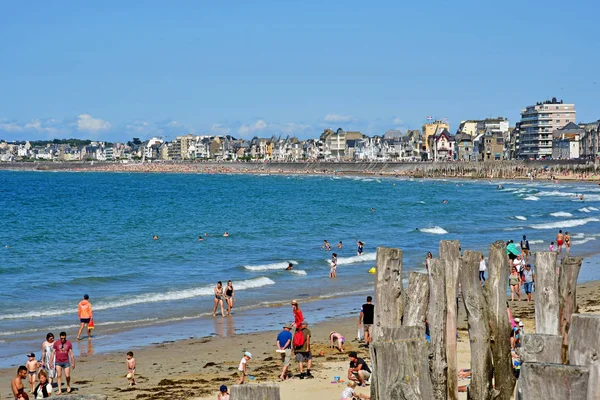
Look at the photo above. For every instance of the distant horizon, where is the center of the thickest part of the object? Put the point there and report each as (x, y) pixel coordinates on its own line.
(144, 69)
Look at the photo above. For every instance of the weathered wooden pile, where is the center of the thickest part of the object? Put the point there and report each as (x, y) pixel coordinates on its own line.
(560, 361)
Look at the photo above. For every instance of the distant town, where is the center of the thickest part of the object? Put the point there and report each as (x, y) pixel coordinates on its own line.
(547, 130)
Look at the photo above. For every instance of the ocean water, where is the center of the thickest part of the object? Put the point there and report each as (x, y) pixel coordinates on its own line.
(65, 234)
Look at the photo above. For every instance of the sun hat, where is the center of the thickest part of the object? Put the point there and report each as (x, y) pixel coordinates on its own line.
(295, 302)
(248, 354)
(520, 323)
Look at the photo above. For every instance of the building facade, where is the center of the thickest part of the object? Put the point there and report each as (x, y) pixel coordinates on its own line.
(430, 129)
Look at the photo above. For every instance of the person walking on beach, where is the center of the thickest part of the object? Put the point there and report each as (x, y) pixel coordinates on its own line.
(84, 311)
(529, 278)
(568, 242)
(482, 269)
(333, 267)
(525, 248)
(64, 359)
(219, 299)
(366, 317)
(514, 280)
(559, 240)
(229, 296)
(47, 360)
(32, 370)
(130, 365)
(302, 349)
(359, 371)
(17, 382)
(298, 316)
(242, 372)
(284, 347)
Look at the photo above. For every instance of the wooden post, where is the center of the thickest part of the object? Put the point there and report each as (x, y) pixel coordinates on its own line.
(594, 382)
(402, 370)
(263, 391)
(416, 300)
(567, 300)
(537, 347)
(546, 296)
(436, 317)
(553, 381)
(479, 328)
(450, 254)
(500, 329)
(388, 290)
(584, 346)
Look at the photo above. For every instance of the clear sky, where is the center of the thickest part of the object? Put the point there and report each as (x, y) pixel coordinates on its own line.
(112, 70)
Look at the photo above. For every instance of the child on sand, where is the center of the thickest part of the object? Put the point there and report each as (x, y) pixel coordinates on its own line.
(223, 393)
(32, 369)
(130, 364)
(242, 373)
(333, 269)
(348, 393)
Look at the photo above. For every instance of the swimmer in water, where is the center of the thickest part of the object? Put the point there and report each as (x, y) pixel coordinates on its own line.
(340, 245)
(359, 247)
(226, 234)
(200, 238)
(444, 201)
(205, 234)
(289, 267)
(326, 245)
(155, 237)
(372, 209)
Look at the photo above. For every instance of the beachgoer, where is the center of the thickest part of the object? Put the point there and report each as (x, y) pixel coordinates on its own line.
(130, 366)
(428, 260)
(303, 353)
(44, 388)
(289, 267)
(326, 245)
(47, 360)
(568, 242)
(359, 247)
(298, 316)
(200, 238)
(336, 340)
(514, 280)
(445, 201)
(511, 250)
(551, 247)
(84, 311)
(333, 266)
(155, 237)
(223, 393)
(372, 209)
(64, 359)
(226, 234)
(205, 234)
(559, 240)
(366, 317)
(17, 382)
(525, 248)
(218, 299)
(340, 245)
(32, 370)
(284, 347)
(529, 278)
(229, 293)
(359, 371)
(482, 269)
(348, 393)
(242, 372)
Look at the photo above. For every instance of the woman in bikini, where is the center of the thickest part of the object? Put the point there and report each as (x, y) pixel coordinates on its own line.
(514, 281)
(336, 340)
(218, 299)
(229, 296)
(568, 242)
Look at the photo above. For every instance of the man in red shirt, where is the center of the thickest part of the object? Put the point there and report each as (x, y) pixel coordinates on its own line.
(64, 359)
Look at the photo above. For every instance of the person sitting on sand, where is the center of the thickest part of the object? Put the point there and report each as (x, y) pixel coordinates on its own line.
(336, 340)
(348, 393)
(44, 388)
(223, 393)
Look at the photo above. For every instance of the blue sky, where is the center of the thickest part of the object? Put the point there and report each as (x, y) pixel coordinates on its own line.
(114, 70)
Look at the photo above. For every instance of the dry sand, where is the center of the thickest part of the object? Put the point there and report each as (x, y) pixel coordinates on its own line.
(195, 368)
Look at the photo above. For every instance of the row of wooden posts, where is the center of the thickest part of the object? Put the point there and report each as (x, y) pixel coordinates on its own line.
(560, 361)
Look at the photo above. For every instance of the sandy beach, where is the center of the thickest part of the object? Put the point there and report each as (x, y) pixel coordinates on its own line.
(195, 368)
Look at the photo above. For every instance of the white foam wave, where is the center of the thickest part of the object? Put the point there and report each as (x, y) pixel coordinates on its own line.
(522, 218)
(531, 198)
(569, 223)
(436, 230)
(267, 267)
(583, 241)
(584, 209)
(146, 298)
(298, 272)
(561, 214)
(556, 193)
(517, 228)
(593, 208)
(536, 241)
(356, 259)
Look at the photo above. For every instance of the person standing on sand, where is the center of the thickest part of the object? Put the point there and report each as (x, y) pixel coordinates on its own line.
(284, 347)
(303, 353)
(568, 242)
(219, 299)
(84, 311)
(333, 267)
(298, 316)
(514, 280)
(47, 360)
(229, 296)
(482, 269)
(525, 248)
(428, 261)
(529, 279)
(366, 317)
(17, 383)
(62, 353)
(32, 369)
(559, 241)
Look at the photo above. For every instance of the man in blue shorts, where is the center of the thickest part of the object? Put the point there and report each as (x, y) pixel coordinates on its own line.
(529, 278)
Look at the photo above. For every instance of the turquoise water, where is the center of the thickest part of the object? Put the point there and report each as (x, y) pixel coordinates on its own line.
(66, 234)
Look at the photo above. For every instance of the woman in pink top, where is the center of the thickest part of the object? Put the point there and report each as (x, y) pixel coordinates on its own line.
(336, 340)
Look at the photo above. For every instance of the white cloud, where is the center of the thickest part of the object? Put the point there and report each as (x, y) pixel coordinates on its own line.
(398, 121)
(247, 130)
(220, 129)
(86, 123)
(338, 118)
(11, 127)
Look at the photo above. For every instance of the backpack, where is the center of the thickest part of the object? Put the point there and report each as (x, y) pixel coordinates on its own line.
(298, 339)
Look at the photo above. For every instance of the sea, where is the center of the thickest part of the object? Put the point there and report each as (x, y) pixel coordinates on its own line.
(66, 234)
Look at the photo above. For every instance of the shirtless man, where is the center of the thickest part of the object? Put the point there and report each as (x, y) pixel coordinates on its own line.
(559, 240)
(17, 383)
(568, 242)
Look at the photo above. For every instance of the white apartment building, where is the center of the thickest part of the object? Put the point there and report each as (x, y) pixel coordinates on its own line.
(537, 124)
